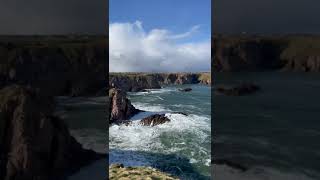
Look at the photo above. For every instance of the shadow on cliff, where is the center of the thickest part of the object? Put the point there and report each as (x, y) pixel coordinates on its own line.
(173, 164)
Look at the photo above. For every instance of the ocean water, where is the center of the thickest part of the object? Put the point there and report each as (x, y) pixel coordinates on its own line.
(275, 132)
(181, 147)
(86, 119)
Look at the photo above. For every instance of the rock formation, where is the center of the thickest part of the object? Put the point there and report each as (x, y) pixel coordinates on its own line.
(185, 89)
(261, 53)
(120, 107)
(59, 65)
(154, 120)
(34, 144)
(238, 90)
(134, 82)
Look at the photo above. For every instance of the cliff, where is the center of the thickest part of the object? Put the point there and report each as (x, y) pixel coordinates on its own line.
(139, 81)
(59, 65)
(261, 53)
(119, 106)
(34, 144)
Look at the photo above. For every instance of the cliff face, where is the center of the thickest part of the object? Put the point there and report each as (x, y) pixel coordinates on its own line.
(138, 81)
(33, 143)
(260, 53)
(120, 106)
(58, 65)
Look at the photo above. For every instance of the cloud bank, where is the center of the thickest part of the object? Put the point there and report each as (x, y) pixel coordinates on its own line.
(132, 49)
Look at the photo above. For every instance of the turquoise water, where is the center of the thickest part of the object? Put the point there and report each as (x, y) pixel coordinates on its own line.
(181, 147)
(277, 128)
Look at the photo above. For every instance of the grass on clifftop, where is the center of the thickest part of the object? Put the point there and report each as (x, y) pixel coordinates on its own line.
(118, 172)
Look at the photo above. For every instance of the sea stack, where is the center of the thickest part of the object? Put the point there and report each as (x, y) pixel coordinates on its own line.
(120, 107)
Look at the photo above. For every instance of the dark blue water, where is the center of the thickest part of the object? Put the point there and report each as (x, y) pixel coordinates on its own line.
(277, 128)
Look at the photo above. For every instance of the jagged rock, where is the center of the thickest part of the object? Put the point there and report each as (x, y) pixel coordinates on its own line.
(135, 82)
(261, 53)
(58, 65)
(120, 106)
(34, 144)
(239, 90)
(154, 120)
(185, 114)
(230, 164)
(185, 90)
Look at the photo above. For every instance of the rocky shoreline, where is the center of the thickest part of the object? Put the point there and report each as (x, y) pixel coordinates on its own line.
(298, 53)
(134, 82)
(35, 144)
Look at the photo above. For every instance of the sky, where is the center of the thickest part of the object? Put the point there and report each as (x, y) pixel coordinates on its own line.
(53, 16)
(159, 36)
(266, 16)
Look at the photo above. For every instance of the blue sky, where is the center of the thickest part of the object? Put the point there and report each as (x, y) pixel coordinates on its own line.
(177, 16)
(159, 35)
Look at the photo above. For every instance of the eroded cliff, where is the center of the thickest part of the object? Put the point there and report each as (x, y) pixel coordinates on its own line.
(262, 53)
(59, 65)
(139, 81)
(34, 144)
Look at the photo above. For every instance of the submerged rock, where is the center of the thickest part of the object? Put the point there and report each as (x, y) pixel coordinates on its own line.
(120, 106)
(185, 89)
(239, 90)
(118, 171)
(230, 164)
(34, 144)
(182, 113)
(154, 120)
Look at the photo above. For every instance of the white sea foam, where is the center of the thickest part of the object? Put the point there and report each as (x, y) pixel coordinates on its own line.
(144, 138)
(93, 139)
(154, 91)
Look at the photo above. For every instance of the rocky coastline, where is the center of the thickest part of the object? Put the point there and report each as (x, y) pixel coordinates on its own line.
(298, 53)
(135, 82)
(34, 143)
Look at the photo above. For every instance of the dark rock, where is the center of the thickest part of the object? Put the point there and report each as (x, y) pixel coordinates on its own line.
(230, 164)
(264, 53)
(34, 144)
(56, 65)
(120, 107)
(144, 90)
(239, 90)
(154, 120)
(185, 114)
(135, 82)
(185, 90)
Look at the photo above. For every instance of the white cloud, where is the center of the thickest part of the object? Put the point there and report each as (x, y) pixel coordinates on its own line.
(132, 49)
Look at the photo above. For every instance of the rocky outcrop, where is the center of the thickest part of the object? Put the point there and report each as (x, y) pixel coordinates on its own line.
(154, 120)
(185, 89)
(59, 65)
(120, 107)
(118, 172)
(135, 82)
(34, 144)
(238, 90)
(261, 53)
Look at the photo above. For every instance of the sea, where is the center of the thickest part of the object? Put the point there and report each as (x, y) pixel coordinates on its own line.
(86, 119)
(181, 147)
(274, 133)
